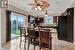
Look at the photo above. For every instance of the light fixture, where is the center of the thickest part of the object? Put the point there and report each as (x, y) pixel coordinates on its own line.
(46, 14)
(38, 18)
(38, 7)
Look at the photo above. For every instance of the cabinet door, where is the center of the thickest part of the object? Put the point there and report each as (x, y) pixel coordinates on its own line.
(65, 26)
(62, 28)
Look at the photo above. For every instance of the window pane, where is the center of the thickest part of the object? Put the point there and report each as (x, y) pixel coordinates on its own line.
(48, 20)
(20, 19)
(13, 17)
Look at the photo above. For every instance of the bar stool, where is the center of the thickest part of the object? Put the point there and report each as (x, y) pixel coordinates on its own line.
(45, 38)
(32, 38)
(23, 34)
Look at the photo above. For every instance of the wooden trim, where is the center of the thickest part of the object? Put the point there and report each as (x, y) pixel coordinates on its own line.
(55, 19)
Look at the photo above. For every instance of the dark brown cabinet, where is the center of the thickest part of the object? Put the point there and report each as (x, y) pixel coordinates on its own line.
(62, 28)
(65, 26)
(39, 20)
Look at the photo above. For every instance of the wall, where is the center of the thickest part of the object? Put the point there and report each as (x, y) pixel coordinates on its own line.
(0, 27)
(73, 5)
(74, 25)
(3, 26)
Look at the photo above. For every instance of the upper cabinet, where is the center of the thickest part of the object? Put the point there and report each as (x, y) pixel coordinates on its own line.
(39, 20)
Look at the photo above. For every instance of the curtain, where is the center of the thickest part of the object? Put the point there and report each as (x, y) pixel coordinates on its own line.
(8, 26)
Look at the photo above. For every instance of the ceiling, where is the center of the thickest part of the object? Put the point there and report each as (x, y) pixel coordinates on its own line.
(56, 6)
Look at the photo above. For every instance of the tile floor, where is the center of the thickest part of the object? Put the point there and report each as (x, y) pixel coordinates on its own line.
(56, 44)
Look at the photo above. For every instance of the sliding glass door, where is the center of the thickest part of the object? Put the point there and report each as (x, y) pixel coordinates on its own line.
(17, 21)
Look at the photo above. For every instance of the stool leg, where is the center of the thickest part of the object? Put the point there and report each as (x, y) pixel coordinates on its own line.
(20, 40)
(39, 46)
(49, 46)
(34, 44)
(25, 43)
(28, 43)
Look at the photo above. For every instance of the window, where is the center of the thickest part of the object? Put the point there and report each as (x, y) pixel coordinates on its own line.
(32, 19)
(48, 20)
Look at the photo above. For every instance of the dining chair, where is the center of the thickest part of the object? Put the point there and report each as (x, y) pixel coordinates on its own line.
(32, 37)
(23, 34)
(45, 38)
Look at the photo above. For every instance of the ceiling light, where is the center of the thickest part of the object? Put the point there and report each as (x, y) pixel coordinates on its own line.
(39, 8)
(46, 14)
(36, 8)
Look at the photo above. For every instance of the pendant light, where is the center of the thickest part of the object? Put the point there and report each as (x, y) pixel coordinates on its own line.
(46, 14)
